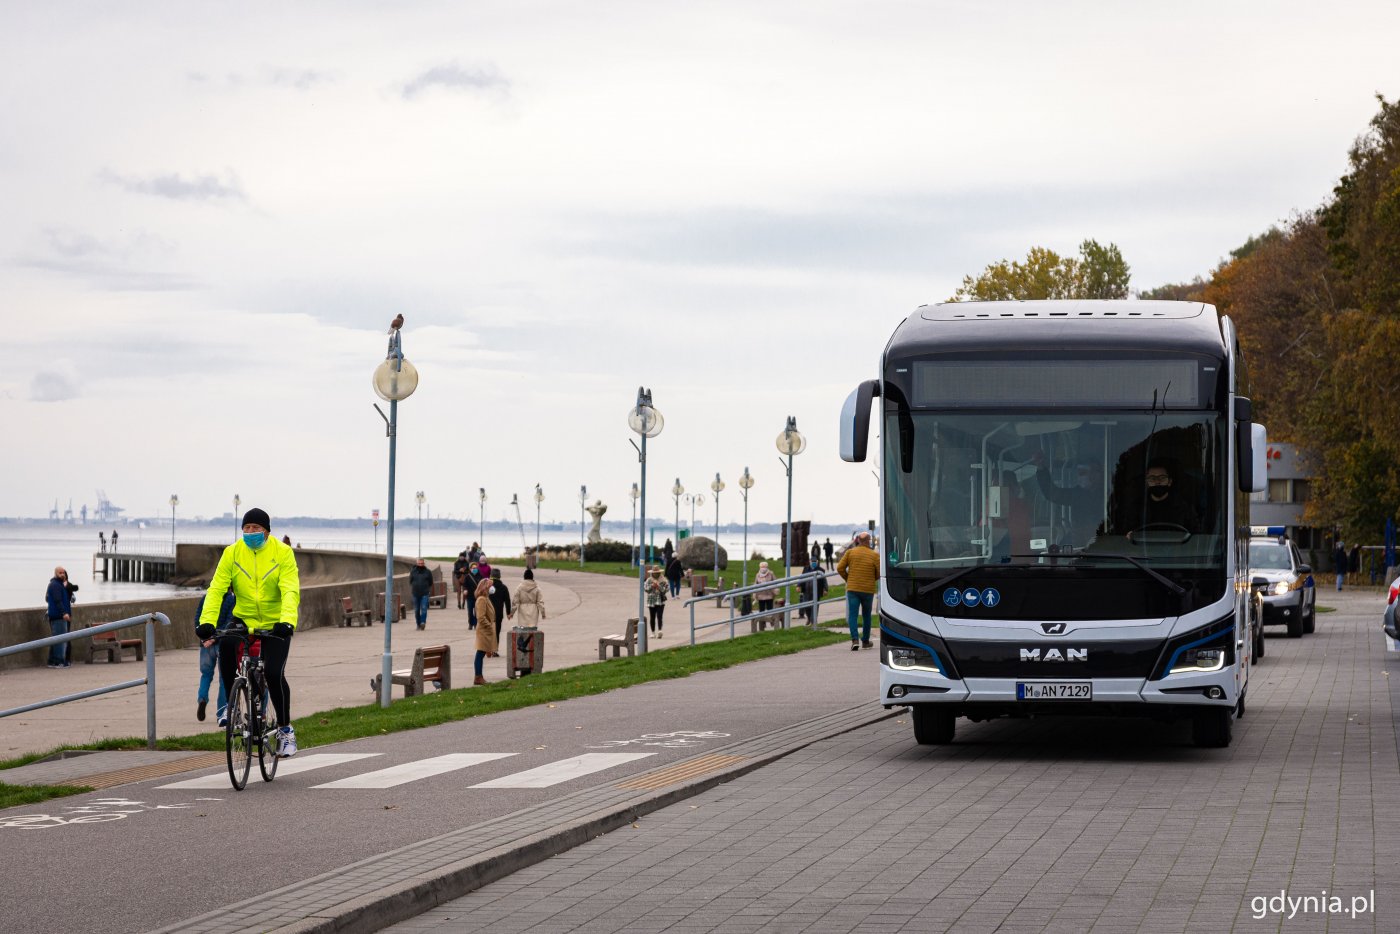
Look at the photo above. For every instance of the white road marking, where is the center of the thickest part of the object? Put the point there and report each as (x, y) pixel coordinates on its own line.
(564, 770)
(285, 767)
(413, 771)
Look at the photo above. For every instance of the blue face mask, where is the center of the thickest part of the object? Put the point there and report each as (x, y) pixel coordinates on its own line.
(254, 540)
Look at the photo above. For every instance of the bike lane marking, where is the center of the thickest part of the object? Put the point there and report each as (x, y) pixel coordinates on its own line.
(285, 767)
(413, 771)
(564, 770)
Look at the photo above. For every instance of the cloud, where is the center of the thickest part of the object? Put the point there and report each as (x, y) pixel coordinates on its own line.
(454, 77)
(296, 79)
(52, 386)
(299, 79)
(120, 265)
(176, 187)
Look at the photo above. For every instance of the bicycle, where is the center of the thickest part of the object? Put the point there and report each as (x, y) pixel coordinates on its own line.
(250, 724)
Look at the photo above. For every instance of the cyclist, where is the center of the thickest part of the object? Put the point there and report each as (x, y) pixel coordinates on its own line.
(267, 595)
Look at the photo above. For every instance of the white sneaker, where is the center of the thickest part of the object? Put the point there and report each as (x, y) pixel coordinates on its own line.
(223, 719)
(287, 743)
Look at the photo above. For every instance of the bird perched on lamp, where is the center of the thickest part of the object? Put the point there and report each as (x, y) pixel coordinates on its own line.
(396, 324)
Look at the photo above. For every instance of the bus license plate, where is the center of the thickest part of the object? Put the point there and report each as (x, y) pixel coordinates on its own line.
(1054, 690)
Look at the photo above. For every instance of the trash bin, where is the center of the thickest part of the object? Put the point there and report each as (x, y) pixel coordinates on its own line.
(524, 652)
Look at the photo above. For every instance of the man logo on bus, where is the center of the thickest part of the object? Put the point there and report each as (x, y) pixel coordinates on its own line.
(1055, 655)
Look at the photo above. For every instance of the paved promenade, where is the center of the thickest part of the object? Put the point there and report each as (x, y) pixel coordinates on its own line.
(329, 667)
(1052, 825)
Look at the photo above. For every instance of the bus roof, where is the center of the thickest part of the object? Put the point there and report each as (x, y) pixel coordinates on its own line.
(1189, 327)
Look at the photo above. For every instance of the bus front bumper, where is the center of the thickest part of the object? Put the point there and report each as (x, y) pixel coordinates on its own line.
(993, 697)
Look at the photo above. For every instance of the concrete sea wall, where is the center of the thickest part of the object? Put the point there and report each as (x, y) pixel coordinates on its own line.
(326, 576)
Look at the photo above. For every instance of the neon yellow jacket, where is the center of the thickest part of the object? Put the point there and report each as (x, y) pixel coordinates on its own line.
(266, 585)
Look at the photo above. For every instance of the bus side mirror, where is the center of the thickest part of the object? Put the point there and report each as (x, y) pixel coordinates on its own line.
(1253, 441)
(855, 421)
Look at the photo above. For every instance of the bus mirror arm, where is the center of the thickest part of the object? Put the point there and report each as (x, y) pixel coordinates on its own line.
(855, 421)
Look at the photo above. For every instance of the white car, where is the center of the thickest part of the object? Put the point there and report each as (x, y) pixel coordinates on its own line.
(1290, 599)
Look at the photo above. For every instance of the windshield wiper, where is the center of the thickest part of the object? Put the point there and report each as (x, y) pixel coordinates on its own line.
(962, 572)
(1165, 581)
(1162, 579)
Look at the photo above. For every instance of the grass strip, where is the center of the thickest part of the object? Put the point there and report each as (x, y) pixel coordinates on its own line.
(346, 723)
(15, 795)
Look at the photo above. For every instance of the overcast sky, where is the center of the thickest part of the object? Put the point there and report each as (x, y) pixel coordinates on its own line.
(210, 212)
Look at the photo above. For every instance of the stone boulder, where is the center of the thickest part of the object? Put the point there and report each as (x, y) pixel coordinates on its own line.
(697, 553)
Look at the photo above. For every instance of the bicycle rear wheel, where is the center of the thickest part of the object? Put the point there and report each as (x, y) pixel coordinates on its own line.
(267, 746)
(238, 735)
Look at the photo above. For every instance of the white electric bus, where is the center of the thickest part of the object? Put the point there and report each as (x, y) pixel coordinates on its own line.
(1066, 513)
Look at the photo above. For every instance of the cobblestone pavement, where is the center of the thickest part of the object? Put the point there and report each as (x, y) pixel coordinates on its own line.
(1061, 825)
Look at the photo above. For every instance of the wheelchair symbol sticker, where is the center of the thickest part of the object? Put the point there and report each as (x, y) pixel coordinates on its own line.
(952, 596)
(991, 597)
(971, 597)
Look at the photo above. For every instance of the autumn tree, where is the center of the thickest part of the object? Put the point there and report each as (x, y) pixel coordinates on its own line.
(1098, 272)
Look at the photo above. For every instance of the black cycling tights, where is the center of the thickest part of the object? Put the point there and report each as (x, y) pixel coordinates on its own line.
(274, 656)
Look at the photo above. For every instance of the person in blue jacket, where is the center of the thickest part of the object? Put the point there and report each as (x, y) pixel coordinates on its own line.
(209, 659)
(60, 601)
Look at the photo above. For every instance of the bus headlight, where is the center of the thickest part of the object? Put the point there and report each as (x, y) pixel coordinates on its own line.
(906, 658)
(1201, 659)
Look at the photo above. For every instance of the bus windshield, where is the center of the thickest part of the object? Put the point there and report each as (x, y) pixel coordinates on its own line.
(1030, 490)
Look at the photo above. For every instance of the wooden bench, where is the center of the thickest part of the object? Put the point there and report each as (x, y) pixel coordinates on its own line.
(432, 664)
(354, 617)
(619, 642)
(113, 645)
(775, 620)
(438, 597)
(697, 585)
(379, 607)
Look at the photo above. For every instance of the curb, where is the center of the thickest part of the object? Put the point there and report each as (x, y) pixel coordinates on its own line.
(458, 862)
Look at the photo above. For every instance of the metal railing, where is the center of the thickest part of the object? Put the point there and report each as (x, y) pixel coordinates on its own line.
(149, 620)
(797, 580)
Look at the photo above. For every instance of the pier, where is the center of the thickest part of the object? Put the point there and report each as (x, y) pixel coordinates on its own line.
(133, 568)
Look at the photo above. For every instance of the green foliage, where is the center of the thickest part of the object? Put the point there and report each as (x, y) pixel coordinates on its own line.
(1192, 291)
(15, 795)
(1098, 272)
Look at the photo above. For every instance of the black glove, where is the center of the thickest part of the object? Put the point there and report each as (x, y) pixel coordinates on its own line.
(283, 630)
(205, 631)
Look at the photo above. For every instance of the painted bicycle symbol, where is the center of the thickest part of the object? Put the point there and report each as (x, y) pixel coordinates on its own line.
(100, 811)
(680, 739)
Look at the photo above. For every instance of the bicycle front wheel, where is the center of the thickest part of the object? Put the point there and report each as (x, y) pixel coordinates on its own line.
(267, 746)
(238, 735)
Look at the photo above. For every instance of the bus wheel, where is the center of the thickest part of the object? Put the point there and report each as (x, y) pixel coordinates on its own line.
(933, 726)
(1212, 727)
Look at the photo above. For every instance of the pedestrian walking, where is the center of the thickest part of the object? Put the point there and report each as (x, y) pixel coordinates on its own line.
(816, 554)
(1339, 558)
(500, 600)
(667, 550)
(485, 629)
(102, 541)
(830, 550)
(483, 566)
(859, 567)
(765, 598)
(459, 578)
(529, 602)
(656, 601)
(420, 584)
(114, 539)
(473, 580)
(674, 574)
(209, 658)
(474, 553)
(60, 608)
(815, 590)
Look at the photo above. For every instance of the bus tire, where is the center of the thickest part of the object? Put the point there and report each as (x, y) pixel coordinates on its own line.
(933, 725)
(1212, 727)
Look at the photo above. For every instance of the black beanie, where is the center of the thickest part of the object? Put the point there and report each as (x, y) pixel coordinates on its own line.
(257, 515)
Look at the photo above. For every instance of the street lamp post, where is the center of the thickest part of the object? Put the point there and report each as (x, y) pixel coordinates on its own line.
(692, 500)
(394, 380)
(174, 501)
(421, 497)
(678, 491)
(539, 498)
(635, 551)
(481, 529)
(745, 484)
(582, 500)
(790, 443)
(647, 422)
(237, 523)
(717, 486)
